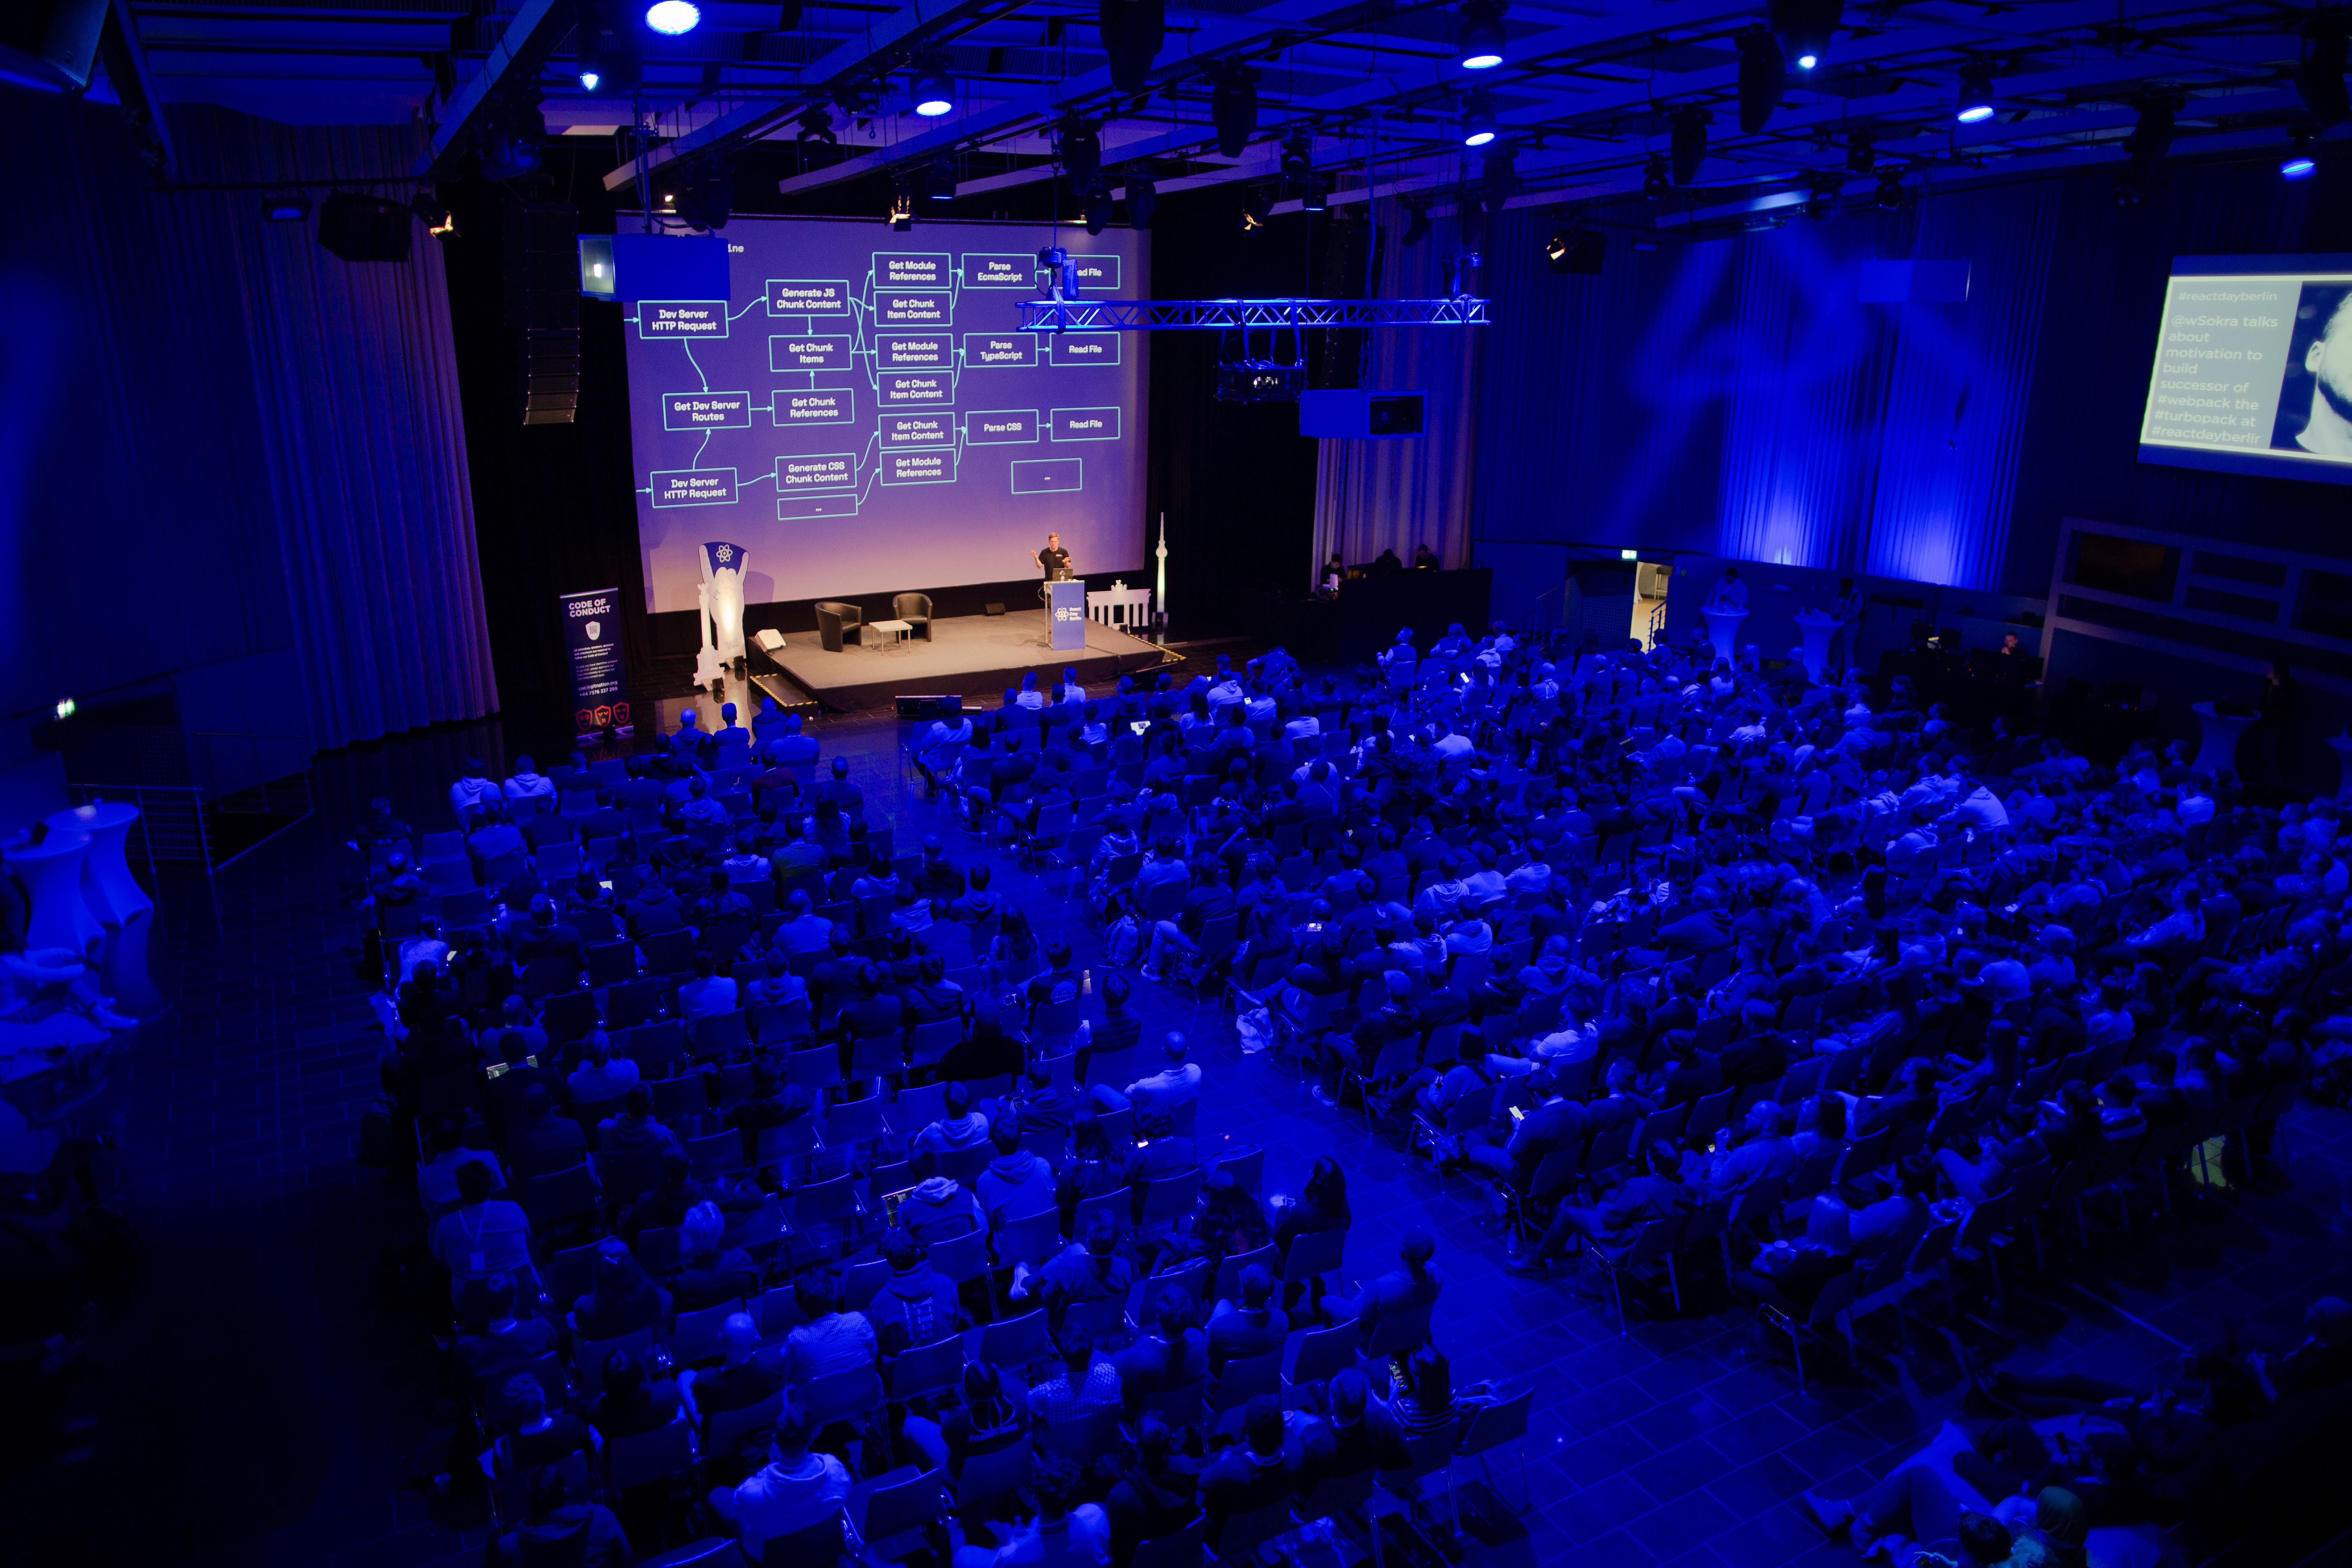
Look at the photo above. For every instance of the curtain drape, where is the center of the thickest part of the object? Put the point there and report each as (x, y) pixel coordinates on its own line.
(1372, 495)
(220, 441)
(357, 383)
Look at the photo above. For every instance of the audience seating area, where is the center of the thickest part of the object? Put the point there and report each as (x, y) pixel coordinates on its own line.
(793, 1200)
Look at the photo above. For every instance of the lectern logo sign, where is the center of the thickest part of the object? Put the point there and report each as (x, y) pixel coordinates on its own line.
(594, 630)
(1067, 613)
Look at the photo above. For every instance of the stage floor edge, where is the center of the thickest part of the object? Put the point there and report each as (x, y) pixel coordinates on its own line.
(975, 656)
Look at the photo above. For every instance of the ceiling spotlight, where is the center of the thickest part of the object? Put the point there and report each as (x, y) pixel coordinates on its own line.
(1477, 120)
(1314, 197)
(673, 18)
(1416, 223)
(510, 143)
(1142, 199)
(1232, 108)
(2299, 164)
(1688, 142)
(285, 206)
(1298, 156)
(902, 210)
(940, 182)
(934, 93)
(1860, 149)
(1763, 74)
(1822, 204)
(1577, 251)
(1976, 94)
(1099, 208)
(434, 214)
(1079, 145)
(1656, 184)
(817, 125)
(1890, 193)
(1257, 206)
(590, 79)
(1804, 28)
(1478, 30)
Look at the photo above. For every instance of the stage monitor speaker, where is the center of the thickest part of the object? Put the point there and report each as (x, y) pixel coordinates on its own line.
(365, 229)
(942, 705)
(991, 609)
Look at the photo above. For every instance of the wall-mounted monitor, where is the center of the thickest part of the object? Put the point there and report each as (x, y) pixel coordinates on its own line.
(2253, 367)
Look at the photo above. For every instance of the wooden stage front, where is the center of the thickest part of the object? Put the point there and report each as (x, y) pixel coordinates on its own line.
(976, 655)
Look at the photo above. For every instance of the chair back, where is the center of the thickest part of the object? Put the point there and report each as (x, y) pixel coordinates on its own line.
(1397, 1333)
(1244, 1378)
(1244, 1534)
(821, 1545)
(727, 1433)
(1229, 1272)
(1188, 1548)
(1017, 1342)
(841, 1395)
(993, 1474)
(1178, 1406)
(697, 1335)
(1085, 1440)
(921, 1370)
(644, 1457)
(1313, 1254)
(899, 1507)
(1492, 1426)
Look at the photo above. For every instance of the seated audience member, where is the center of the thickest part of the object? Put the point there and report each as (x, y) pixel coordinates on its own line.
(1158, 1496)
(602, 1078)
(712, 1274)
(496, 1344)
(1267, 1467)
(540, 1437)
(1015, 1182)
(557, 1530)
(832, 1340)
(740, 1380)
(1252, 1327)
(436, 1178)
(919, 1305)
(625, 1298)
(631, 1401)
(960, 1127)
(1175, 1087)
(1064, 1530)
(936, 1208)
(797, 1488)
(635, 1132)
(1085, 1386)
(1413, 1286)
(988, 1420)
(1173, 1355)
(483, 1235)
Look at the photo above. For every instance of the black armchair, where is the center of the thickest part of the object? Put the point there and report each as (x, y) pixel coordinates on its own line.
(837, 621)
(914, 609)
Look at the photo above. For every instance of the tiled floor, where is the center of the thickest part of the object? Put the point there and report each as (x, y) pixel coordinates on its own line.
(260, 1404)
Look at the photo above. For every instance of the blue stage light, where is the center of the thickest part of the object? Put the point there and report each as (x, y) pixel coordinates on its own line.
(673, 17)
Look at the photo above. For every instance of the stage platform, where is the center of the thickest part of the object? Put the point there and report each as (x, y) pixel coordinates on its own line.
(978, 655)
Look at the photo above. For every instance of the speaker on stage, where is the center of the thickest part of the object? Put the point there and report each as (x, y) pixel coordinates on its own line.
(991, 609)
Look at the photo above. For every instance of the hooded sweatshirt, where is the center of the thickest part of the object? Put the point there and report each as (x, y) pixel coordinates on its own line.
(938, 1210)
(1014, 1184)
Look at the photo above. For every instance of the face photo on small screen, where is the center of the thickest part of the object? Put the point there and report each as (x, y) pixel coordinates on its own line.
(2315, 406)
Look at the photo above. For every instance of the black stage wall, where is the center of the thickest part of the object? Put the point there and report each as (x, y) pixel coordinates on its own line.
(552, 503)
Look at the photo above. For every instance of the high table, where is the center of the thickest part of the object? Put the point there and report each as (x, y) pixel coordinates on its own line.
(1723, 630)
(52, 874)
(2217, 752)
(1818, 627)
(112, 894)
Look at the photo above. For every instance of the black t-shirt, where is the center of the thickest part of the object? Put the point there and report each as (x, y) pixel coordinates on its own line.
(1052, 557)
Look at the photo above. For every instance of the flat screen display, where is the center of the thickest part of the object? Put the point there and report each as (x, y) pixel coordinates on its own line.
(863, 415)
(2253, 367)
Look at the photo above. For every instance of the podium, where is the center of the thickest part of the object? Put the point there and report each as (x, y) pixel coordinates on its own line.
(1816, 629)
(1065, 608)
(2217, 752)
(1723, 630)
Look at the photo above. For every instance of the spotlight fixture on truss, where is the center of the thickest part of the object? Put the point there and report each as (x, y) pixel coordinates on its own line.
(2151, 139)
(1079, 145)
(902, 209)
(2299, 164)
(940, 182)
(1298, 156)
(1099, 205)
(285, 206)
(1416, 223)
(1143, 199)
(1891, 193)
(1477, 120)
(1479, 38)
(1804, 28)
(1260, 381)
(934, 91)
(1258, 207)
(1232, 108)
(1860, 149)
(1763, 77)
(1656, 186)
(434, 214)
(1975, 101)
(1689, 141)
(1314, 197)
(817, 125)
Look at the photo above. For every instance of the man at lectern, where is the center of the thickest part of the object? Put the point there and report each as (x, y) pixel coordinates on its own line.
(1053, 560)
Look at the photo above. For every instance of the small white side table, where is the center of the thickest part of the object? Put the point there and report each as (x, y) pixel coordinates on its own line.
(106, 885)
(900, 630)
(52, 874)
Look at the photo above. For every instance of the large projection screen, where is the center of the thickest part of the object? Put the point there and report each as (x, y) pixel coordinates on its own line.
(2253, 368)
(863, 415)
